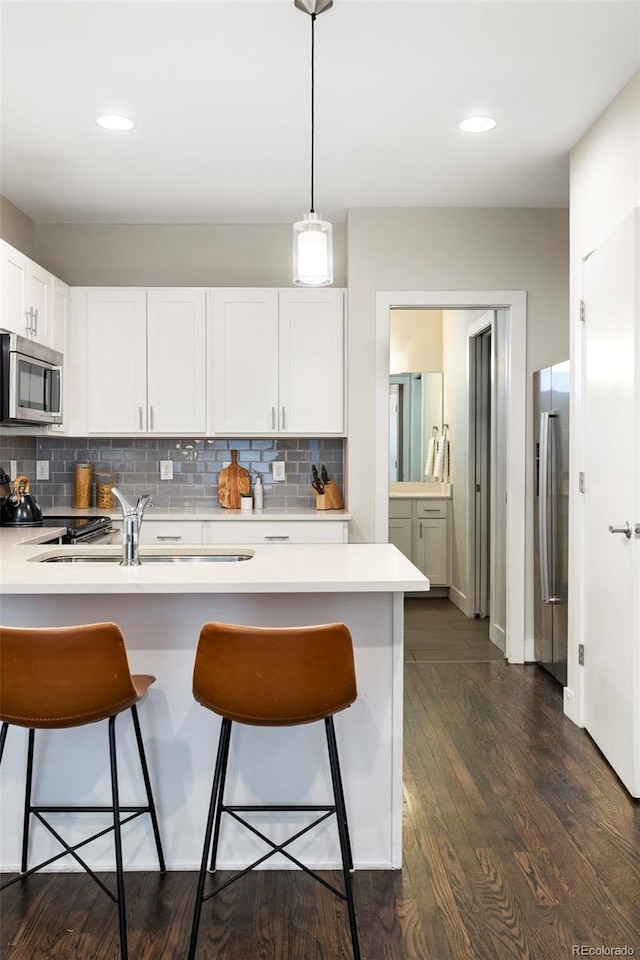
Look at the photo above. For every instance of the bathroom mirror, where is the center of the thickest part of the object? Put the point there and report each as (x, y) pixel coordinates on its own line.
(415, 407)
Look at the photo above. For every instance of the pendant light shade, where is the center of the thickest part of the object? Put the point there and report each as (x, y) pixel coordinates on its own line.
(312, 236)
(312, 251)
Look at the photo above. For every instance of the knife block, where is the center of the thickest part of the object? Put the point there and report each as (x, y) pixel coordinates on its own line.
(331, 499)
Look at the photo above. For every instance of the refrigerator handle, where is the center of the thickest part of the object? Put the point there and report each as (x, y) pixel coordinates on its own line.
(543, 507)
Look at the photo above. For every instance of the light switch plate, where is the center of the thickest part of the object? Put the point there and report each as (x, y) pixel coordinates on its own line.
(277, 470)
(166, 469)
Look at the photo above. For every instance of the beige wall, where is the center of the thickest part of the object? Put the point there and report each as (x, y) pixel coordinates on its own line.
(415, 341)
(17, 229)
(199, 255)
(447, 249)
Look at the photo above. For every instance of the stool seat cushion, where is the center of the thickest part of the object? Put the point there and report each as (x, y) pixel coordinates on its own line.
(274, 676)
(52, 677)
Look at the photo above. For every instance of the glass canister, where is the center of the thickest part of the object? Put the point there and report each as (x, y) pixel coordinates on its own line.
(105, 482)
(82, 485)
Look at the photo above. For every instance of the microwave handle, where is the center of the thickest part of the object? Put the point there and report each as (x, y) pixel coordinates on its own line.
(48, 373)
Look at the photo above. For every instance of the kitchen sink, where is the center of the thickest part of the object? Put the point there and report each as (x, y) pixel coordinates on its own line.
(193, 556)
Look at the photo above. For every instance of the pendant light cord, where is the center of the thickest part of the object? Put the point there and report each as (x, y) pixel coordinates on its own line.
(313, 24)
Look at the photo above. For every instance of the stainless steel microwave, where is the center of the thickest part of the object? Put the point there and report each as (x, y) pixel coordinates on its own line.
(30, 382)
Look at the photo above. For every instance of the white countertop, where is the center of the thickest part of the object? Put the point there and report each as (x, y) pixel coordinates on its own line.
(413, 491)
(273, 568)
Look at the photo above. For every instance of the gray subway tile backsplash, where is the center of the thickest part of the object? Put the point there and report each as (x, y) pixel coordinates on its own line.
(196, 466)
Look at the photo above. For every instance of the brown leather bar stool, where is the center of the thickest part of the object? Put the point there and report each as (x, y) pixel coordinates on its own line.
(270, 676)
(56, 677)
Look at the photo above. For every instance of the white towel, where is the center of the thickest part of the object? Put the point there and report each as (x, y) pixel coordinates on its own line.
(431, 458)
(441, 468)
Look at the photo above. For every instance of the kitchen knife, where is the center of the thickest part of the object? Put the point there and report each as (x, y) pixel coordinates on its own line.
(318, 485)
(324, 474)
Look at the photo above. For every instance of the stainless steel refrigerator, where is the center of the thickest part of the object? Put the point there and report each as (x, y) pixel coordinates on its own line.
(551, 517)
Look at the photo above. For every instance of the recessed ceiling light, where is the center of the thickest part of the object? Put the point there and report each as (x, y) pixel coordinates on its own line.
(476, 124)
(112, 121)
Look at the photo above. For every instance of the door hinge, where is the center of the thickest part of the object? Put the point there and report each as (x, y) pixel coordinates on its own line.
(583, 311)
(581, 654)
(581, 482)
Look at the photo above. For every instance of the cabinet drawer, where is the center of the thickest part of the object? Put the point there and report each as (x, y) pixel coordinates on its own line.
(171, 531)
(400, 509)
(431, 509)
(297, 531)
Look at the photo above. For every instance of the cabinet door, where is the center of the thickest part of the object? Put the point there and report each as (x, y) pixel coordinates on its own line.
(15, 280)
(311, 361)
(176, 361)
(273, 532)
(244, 360)
(117, 361)
(431, 551)
(58, 315)
(39, 295)
(171, 532)
(400, 536)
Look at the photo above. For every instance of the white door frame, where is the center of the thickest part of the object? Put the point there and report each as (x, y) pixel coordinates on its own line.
(515, 301)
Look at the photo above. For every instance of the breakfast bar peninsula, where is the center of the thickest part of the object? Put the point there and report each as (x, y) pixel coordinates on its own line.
(161, 606)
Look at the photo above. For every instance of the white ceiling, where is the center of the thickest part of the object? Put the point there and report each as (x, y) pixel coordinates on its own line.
(220, 94)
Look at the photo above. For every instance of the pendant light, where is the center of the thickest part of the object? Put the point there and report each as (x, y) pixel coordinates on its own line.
(312, 236)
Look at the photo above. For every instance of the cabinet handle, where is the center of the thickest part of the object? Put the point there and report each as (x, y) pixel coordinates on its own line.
(273, 418)
(151, 418)
(140, 417)
(432, 509)
(29, 319)
(167, 537)
(421, 529)
(35, 322)
(284, 420)
(275, 539)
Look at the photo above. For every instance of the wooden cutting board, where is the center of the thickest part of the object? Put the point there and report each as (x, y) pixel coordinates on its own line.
(233, 481)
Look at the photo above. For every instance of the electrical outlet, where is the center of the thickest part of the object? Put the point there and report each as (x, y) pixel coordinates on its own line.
(42, 469)
(226, 463)
(277, 470)
(166, 469)
(13, 469)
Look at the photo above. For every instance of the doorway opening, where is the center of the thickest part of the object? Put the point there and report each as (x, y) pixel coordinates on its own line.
(510, 389)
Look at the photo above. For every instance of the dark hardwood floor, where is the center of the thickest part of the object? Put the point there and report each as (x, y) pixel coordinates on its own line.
(520, 844)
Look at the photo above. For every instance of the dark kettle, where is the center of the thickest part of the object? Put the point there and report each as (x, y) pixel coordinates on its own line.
(20, 507)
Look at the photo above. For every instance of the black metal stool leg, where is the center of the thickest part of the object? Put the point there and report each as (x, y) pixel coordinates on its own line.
(147, 786)
(223, 753)
(117, 836)
(3, 737)
(343, 832)
(27, 801)
(219, 802)
(331, 732)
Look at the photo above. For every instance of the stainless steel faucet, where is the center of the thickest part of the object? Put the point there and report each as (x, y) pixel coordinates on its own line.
(132, 518)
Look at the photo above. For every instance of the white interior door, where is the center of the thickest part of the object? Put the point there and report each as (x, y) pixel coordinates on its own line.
(611, 498)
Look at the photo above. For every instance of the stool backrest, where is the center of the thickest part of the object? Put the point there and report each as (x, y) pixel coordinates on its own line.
(63, 676)
(274, 676)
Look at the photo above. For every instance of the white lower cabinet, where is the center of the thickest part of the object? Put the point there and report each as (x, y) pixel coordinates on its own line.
(420, 529)
(173, 532)
(275, 531)
(182, 532)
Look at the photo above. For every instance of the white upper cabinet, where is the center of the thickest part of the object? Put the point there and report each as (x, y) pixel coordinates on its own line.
(277, 359)
(146, 361)
(176, 361)
(244, 360)
(28, 299)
